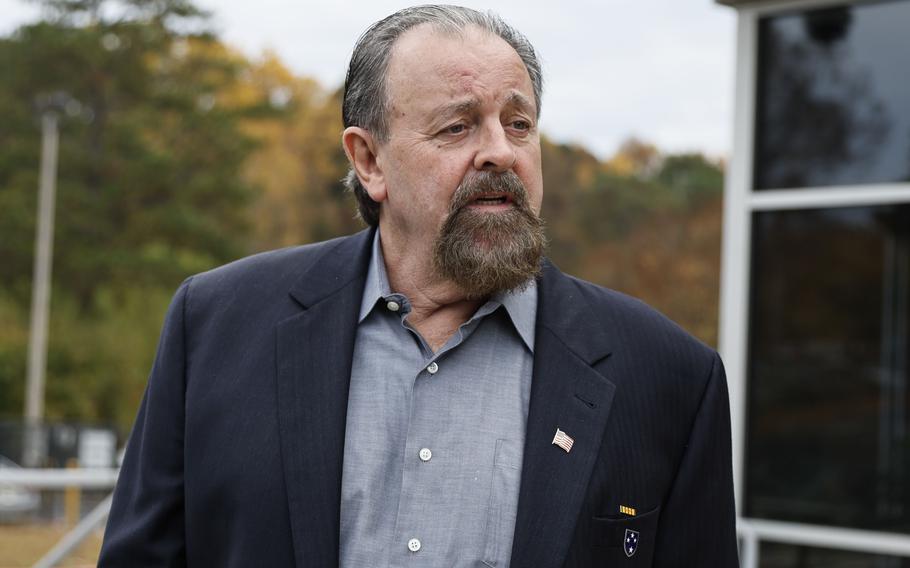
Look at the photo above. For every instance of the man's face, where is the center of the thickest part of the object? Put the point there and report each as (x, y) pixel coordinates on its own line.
(462, 115)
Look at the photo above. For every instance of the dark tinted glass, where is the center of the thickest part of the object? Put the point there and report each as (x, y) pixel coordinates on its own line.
(775, 555)
(833, 105)
(828, 417)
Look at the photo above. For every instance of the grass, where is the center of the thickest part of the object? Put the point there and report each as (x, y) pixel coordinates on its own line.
(22, 545)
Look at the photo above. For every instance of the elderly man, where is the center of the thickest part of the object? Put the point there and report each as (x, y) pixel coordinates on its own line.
(428, 392)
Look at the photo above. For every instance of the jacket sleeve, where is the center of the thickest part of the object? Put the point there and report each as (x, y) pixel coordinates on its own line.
(146, 522)
(697, 526)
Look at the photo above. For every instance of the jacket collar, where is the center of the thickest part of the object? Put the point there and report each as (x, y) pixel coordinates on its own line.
(340, 262)
(566, 310)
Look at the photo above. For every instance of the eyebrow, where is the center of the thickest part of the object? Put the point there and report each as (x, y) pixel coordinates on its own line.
(457, 108)
(470, 106)
(519, 100)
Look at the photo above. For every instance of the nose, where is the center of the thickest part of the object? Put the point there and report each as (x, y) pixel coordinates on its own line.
(496, 152)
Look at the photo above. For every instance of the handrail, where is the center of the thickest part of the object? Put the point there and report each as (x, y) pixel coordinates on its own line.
(74, 537)
(36, 478)
(753, 531)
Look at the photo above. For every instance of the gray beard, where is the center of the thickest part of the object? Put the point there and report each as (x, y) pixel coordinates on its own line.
(488, 252)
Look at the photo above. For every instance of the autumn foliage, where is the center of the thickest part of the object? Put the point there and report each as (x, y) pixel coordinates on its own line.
(184, 154)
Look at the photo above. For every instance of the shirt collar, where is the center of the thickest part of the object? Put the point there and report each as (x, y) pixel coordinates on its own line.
(377, 284)
(521, 305)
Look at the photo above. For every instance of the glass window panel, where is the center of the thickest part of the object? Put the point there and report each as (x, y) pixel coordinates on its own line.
(833, 97)
(775, 555)
(828, 399)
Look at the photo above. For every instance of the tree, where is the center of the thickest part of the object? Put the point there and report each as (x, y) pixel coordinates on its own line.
(651, 230)
(298, 163)
(184, 155)
(149, 185)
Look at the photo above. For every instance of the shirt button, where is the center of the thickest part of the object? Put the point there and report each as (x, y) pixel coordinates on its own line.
(413, 545)
(432, 368)
(425, 454)
(393, 306)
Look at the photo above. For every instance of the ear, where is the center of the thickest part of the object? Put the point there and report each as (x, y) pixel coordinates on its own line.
(360, 147)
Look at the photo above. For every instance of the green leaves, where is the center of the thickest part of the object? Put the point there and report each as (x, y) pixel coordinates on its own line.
(149, 189)
(182, 155)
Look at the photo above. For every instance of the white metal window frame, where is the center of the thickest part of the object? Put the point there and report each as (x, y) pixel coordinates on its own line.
(740, 202)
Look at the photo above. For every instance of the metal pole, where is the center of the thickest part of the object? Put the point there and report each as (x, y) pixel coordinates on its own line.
(44, 248)
(749, 544)
(77, 535)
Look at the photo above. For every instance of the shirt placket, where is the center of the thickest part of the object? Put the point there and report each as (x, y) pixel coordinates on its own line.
(407, 545)
(421, 457)
(417, 543)
(414, 542)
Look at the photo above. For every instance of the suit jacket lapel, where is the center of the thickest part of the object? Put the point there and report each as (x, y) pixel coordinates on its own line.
(566, 393)
(315, 350)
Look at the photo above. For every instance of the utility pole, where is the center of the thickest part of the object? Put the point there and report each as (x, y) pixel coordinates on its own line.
(50, 108)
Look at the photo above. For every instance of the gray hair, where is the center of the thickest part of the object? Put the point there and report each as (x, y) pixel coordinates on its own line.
(365, 103)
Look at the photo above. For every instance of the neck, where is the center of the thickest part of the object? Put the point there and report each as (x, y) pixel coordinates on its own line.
(438, 306)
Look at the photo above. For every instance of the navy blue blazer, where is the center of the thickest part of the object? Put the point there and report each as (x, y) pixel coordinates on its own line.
(236, 455)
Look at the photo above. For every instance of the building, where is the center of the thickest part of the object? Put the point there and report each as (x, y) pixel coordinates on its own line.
(815, 301)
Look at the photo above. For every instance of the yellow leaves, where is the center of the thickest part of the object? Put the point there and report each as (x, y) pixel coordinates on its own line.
(634, 158)
(298, 161)
(296, 126)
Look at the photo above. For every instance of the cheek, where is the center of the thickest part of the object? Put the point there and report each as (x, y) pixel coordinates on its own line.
(531, 175)
(439, 182)
(426, 199)
(536, 195)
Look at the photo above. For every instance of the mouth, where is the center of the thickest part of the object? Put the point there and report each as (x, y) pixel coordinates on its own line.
(492, 200)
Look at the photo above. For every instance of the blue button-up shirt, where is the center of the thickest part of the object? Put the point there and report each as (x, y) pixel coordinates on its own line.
(434, 441)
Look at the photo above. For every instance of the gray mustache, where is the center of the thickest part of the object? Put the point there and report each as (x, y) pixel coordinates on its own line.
(507, 183)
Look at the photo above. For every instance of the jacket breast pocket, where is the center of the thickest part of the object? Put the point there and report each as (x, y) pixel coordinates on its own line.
(626, 541)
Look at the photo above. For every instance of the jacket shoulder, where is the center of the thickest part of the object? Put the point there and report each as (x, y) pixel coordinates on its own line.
(262, 286)
(627, 327)
(272, 265)
(633, 315)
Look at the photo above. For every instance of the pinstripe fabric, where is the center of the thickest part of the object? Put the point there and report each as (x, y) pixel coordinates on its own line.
(236, 456)
(665, 449)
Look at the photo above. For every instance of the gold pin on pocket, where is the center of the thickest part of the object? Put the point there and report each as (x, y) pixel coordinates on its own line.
(626, 510)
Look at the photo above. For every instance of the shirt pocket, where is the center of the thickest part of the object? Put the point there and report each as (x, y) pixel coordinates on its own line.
(503, 507)
(609, 536)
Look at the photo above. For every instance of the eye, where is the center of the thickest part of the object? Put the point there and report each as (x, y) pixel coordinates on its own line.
(454, 129)
(522, 125)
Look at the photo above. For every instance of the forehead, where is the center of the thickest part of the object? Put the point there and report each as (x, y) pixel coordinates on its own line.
(429, 65)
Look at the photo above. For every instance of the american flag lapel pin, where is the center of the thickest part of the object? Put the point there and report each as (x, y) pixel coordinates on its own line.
(563, 440)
